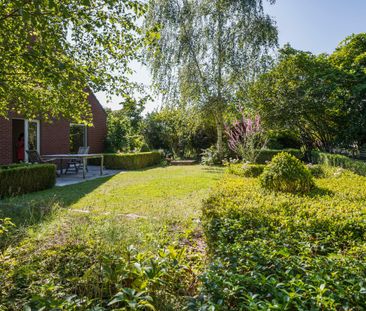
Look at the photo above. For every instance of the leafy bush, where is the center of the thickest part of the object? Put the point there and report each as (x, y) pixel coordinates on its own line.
(286, 173)
(20, 179)
(283, 251)
(87, 276)
(5, 225)
(317, 171)
(129, 161)
(245, 170)
(337, 160)
(266, 155)
(210, 156)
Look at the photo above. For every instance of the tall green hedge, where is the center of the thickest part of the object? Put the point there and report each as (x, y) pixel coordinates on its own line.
(266, 155)
(337, 160)
(21, 179)
(129, 161)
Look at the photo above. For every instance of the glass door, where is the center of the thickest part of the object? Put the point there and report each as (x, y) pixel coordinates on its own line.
(32, 136)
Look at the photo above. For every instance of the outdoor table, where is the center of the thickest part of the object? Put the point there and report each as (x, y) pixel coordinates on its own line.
(83, 157)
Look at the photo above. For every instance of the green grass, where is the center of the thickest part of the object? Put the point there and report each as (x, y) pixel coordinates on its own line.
(147, 208)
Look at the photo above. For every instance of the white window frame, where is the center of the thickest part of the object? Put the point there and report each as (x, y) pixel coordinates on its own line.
(26, 136)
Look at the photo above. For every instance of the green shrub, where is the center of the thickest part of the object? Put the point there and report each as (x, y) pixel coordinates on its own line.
(21, 179)
(210, 156)
(266, 155)
(245, 170)
(129, 161)
(283, 251)
(287, 174)
(337, 160)
(317, 171)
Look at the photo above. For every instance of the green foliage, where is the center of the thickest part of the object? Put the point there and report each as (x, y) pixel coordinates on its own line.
(350, 58)
(317, 171)
(125, 127)
(131, 161)
(210, 156)
(302, 93)
(207, 62)
(5, 225)
(51, 51)
(90, 276)
(337, 160)
(286, 173)
(316, 97)
(77, 257)
(266, 155)
(182, 131)
(283, 140)
(245, 170)
(283, 251)
(20, 179)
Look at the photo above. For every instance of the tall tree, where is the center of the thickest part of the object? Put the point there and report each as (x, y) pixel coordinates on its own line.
(301, 93)
(51, 50)
(350, 58)
(205, 51)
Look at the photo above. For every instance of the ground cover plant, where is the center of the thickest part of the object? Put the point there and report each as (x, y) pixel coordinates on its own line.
(282, 251)
(71, 247)
(245, 170)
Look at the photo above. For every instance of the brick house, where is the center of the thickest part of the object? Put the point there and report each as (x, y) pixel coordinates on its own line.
(58, 137)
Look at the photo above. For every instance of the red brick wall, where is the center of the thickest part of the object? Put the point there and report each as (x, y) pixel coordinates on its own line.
(97, 133)
(55, 136)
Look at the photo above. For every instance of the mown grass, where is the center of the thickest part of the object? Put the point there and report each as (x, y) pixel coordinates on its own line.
(149, 209)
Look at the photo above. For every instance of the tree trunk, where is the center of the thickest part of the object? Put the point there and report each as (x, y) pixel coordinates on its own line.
(220, 134)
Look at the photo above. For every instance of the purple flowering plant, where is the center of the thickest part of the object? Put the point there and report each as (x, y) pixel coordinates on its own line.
(246, 138)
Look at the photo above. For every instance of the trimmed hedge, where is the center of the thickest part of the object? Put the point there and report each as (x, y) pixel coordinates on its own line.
(21, 178)
(283, 251)
(266, 155)
(129, 161)
(246, 170)
(337, 160)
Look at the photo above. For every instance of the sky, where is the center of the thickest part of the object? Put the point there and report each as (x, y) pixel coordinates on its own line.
(310, 25)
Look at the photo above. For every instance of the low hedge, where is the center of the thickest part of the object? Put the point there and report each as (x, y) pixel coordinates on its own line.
(284, 251)
(129, 161)
(337, 160)
(21, 179)
(245, 170)
(266, 155)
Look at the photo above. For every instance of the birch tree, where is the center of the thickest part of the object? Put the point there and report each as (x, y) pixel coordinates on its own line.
(204, 52)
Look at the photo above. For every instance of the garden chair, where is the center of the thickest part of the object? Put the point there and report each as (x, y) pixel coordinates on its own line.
(75, 164)
(35, 158)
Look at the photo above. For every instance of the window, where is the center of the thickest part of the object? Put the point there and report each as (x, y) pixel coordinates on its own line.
(78, 137)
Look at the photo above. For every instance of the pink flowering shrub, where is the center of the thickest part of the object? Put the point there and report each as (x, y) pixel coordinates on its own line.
(246, 138)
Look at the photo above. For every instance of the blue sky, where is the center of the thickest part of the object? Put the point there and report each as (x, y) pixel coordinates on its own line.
(312, 25)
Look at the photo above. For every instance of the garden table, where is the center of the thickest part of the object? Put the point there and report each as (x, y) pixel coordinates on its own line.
(83, 157)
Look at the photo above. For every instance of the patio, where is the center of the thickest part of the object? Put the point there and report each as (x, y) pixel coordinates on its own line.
(93, 173)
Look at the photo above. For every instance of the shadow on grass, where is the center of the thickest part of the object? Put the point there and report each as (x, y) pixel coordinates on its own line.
(319, 192)
(33, 208)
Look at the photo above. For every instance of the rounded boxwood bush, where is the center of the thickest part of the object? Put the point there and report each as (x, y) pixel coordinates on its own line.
(286, 173)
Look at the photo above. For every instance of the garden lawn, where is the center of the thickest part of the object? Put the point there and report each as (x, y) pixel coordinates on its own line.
(62, 233)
